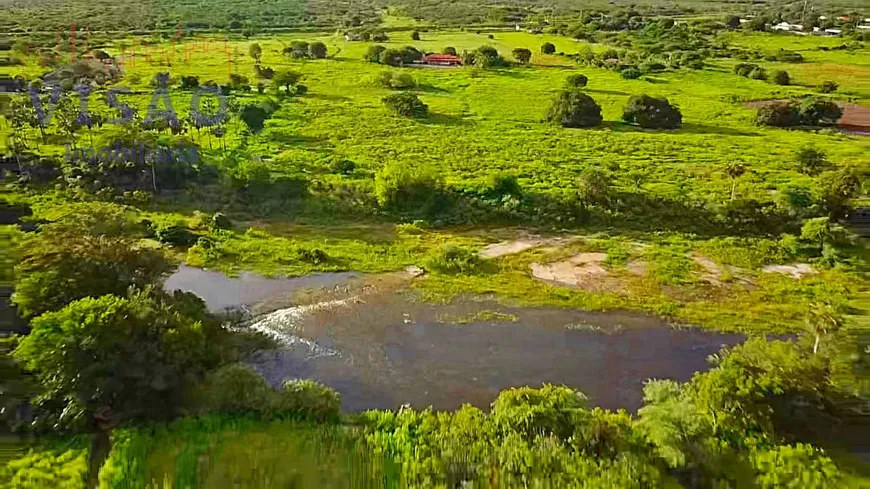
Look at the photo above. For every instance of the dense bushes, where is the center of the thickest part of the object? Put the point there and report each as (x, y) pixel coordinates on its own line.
(650, 112)
(780, 77)
(573, 108)
(809, 112)
(396, 80)
(238, 389)
(406, 104)
(410, 191)
(576, 81)
(630, 73)
(484, 57)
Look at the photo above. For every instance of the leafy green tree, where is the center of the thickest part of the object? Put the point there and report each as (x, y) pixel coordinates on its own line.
(407, 190)
(733, 22)
(522, 55)
(548, 411)
(449, 50)
(780, 77)
(256, 52)
(811, 160)
(254, 117)
(373, 54)
(576, 81)
(287, 79)
(406, 104)
(757, 23)
(415, 35)
(795, 466)
(391, 57)
(779, 114)
(814, 111)
(317, 50)
(88, 255)
(835, 191)
(822, 318)
(651, 112)
(410, 54)
(548, 48)
(595, 186)
(573, 108)
(817, 231)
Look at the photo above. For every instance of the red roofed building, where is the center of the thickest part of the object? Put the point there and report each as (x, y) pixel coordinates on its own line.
(441, 59)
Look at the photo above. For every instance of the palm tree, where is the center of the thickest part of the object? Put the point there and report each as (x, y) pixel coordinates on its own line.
(822, 319)
(734, 171)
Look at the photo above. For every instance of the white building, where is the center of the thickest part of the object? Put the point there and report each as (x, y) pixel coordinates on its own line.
(785, 26)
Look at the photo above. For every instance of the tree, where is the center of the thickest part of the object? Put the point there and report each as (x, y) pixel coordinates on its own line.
(391, 57)
(256, 52)
(815, 111)
(576, 81)
(415, 35)
(254, 117)
(449, 50)
(85, 255)
(317, 50)
(410, 54)
(817, 231)
(548, 48)
(573, 108)
(406, 104)
(734, 171)
(811, 160)
(522, 55)
(733, 22)
(595, 185)
(822, 319)
(287, 79)
(373, 53)
(102, 361)
(780, 77)
(828, 86)
(836, 189)
(758, 23)
(651, 112)
(779, 114)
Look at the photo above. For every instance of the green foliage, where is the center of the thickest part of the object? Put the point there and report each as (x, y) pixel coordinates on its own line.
(811, 160)
(373, 54)
(630, 73)
(174, 234)
(779, 114)
(310, 400)
(391, 57)
(651, 112)
(780, 77)
(758, 74)
(81, 256)
(56, 468)
(484, 57)
(573, 108)
(396, 80)
(548, 411)
(548, 48)
(415, 35)
(317, 50)
(815, 111)
(522, 55)
(449, 50)
(454, 260)
(576, 81)
(798, 466)
(235, 389)
(406, 104)
(835, 190)
(105, 360)
(828, 86)
(287, 79)
(409, 190)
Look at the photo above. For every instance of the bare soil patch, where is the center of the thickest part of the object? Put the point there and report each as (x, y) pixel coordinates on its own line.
(796, 271)
(519, 245)
(584, 270)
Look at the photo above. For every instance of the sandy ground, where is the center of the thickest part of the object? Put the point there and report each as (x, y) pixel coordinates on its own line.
(796, 271)
(519, 245)
(583, 270)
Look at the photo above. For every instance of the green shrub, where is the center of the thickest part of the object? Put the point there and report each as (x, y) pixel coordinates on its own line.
(779, 114)
(311, 400)
(548, 411)
(744, 69)
(758, 74)
(573, 108)
(221, 221)
(410, 191)
(174, 234)
(548, 48)
(651, 112)
(576, 81)
(815, 111)
(373, 54)
(780, 77)
(453, 260)
(828, 86)
(449, 50)
(317, 50)
(406, 104)
(45, 468)
(234, 389)
(396, 81)
(630, 73)
(315, 256)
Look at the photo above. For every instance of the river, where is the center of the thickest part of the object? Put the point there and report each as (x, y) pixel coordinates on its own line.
(385, 349)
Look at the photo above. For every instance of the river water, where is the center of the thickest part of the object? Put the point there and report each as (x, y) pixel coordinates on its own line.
(383, 350)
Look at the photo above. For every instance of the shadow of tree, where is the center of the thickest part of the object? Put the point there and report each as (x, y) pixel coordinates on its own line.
(328, 96)
(687, 127)
(444, 120)
(607, 92)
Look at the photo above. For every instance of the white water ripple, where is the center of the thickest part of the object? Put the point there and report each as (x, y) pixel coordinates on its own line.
(281, 325)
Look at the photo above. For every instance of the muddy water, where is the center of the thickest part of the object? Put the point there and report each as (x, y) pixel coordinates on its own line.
(383, 350)
(248, 289)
